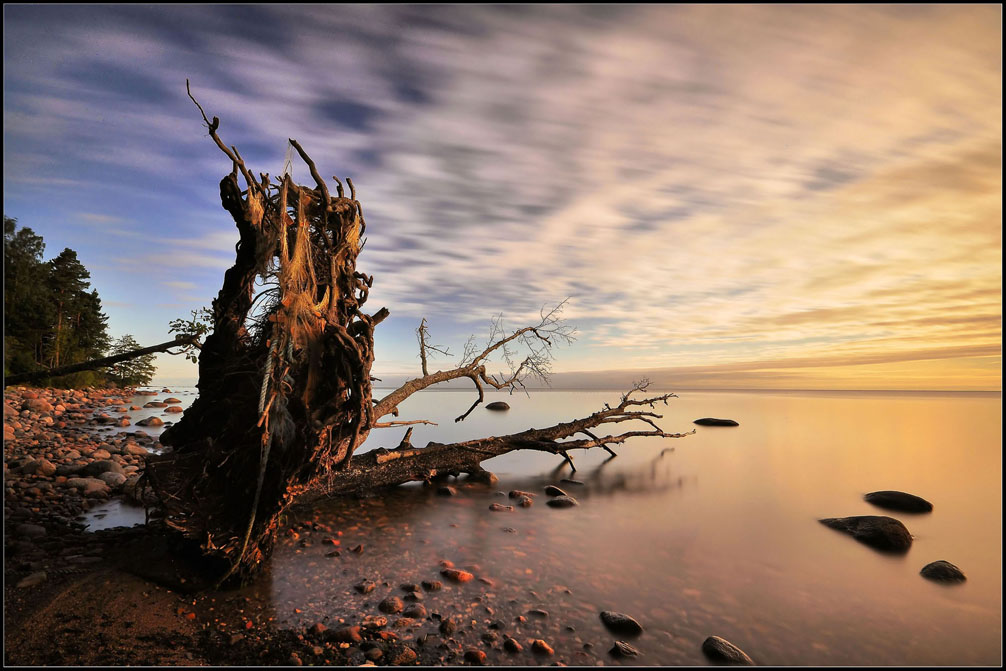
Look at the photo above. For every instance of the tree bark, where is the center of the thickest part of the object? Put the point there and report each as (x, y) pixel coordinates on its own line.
(22, 378)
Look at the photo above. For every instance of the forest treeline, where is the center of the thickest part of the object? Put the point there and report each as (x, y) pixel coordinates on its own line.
(52, 316)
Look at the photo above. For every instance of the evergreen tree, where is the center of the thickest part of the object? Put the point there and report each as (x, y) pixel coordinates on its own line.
(51, 315)
(134, 372)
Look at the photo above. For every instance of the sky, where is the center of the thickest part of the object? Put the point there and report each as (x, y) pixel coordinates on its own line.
(743, 196)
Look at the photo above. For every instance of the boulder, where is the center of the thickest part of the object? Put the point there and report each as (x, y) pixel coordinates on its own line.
(620, 623)
(172, 400)
(456, 575)
(943, 571)
(96, 468)
(724, 652)
(497, 405)
(38, 405)
(552, 490)
(877, 531)
(712, 421)
(111, 479)
(174, 409)
(151, 421)
(894, 500)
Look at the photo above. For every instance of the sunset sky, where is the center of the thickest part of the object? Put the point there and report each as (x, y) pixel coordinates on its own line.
(762, 196)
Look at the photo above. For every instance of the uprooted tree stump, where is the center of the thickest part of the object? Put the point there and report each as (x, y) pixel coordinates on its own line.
(285, 392)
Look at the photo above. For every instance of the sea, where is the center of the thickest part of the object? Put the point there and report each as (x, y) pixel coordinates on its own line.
(712, 534)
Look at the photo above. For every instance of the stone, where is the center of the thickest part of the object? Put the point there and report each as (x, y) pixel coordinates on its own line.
(484, 477)
(38, 405)
(620, 623)
(712, 421)
(882, 533)
(113, 480)
(432, 585)
(525, 502)
(552, 490)
(151, 421)
(174, 408)
(563, 502)
(511, 644)
(33, 579)
(541, 647)
(30, 530)
(497, 405)
(416, 610)
(500, 508)
(401, 656)
(943, 571)
(391, 605)
(346, 635)
(96, 468)
(155, 404)
(571, 481)
(894, 500)
(623, 649)
(448, 627)
(172, 400)
(516, 494)
(475, 657)
(456, 575)
(365, 586)
(45, 467)
(724, 652)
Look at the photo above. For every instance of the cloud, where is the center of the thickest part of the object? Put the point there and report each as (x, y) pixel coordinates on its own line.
(746, 183)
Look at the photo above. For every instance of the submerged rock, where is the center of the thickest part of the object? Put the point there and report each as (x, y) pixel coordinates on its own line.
(894, 500)
(712, 421)
(563, 502)
(723, 651)
(620, 623)
(943, 571)
(497, 405)
(623, 649)
(877, 531)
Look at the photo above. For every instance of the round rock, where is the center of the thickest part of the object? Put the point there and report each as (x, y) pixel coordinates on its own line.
(723, 651)
(943, 571)
(552, 490)
(877, 531)
(894, 500)
(497, 405)
(563, 502)
(713, 421)
(620, 623)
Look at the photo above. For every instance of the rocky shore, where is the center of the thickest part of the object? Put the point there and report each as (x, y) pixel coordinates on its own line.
(118, 596)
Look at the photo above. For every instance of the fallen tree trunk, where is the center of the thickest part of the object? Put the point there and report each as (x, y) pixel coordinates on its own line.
(22, 378)
(285, 393)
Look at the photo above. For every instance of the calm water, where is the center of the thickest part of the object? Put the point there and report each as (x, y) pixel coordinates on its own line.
(719, 537)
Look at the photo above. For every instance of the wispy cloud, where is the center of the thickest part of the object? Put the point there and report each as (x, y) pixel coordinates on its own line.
(753, 183)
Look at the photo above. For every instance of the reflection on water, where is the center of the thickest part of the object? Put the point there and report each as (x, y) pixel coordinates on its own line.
(114, 513)
(718, 536)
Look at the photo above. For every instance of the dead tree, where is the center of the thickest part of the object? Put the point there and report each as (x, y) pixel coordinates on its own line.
(285, 392)
(180, 341)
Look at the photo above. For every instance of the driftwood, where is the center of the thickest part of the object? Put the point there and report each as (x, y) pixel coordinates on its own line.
(285, 392)
(179, 341)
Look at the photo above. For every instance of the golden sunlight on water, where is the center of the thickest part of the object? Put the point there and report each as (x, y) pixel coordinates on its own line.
(719, 537)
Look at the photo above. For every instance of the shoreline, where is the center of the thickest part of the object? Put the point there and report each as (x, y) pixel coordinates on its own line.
(120, 596)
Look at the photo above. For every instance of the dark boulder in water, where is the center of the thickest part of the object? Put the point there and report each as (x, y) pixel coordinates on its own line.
(620, 623)
(893, 500)
(712, 421)
(943, 571)
(724, 652)
(877, 531)
(497, 405)
(623, 649)
(552, 490)
(563, 502)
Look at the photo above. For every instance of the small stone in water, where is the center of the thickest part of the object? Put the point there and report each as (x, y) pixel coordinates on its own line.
(541, 647)
(552, 490)
(511, 645)
(623, 649)
(563, 502)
